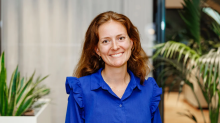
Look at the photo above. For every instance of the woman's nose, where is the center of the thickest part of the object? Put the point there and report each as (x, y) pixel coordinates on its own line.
(115, 45)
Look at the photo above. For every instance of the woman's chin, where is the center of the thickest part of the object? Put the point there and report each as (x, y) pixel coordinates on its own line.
(117, 64)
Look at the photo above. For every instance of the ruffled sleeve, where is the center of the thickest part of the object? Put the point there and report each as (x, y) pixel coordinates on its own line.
(155, 100)
(75, 107)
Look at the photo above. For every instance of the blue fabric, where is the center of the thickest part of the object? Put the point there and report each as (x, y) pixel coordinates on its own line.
(91, 100)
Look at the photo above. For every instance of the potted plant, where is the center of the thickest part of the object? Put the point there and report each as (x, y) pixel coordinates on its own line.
(183, 61)
(21, 97)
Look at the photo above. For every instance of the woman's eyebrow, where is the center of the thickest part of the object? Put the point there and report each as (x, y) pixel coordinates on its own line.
(120, 35)
(105, 38)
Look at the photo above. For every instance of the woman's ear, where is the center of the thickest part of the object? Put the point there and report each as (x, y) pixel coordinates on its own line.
(132, 43)
(97, 51)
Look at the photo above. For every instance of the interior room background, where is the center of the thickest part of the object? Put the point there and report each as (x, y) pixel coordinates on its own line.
(47, 36)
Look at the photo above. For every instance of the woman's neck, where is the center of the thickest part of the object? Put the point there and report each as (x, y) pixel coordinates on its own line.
(116, 76)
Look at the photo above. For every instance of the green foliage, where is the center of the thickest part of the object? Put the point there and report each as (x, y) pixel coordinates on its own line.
(189, 115)
(179, 60)
(207, 66)
(191, 16)
(21, 93)
(200, 58)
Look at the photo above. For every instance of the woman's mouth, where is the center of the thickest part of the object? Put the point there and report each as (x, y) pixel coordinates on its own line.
(117, 55)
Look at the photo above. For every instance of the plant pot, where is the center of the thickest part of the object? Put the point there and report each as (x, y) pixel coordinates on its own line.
(42, 115)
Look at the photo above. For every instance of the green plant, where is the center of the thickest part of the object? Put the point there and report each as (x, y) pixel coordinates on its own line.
(207, 71)
(182, 61)
(21, 93)
(191, 15)
(188, 114)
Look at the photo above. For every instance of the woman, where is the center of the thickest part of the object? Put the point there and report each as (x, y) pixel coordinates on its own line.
(110, 86)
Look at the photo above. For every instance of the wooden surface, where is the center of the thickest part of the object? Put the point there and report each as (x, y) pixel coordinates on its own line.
(174, 4)
(172, 105)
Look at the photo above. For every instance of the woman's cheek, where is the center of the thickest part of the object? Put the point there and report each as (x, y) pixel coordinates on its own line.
(104, 50)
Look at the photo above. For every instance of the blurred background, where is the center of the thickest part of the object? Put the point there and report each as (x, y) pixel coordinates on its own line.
(46, 36)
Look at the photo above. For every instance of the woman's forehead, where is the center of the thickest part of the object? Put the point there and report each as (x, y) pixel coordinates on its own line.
(111, 29)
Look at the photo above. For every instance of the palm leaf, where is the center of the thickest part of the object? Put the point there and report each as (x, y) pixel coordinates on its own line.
(216, 28)
(182, 50)
(189, 115)
(212, 13)
(191, 16)
(211, 73)
(189, 57)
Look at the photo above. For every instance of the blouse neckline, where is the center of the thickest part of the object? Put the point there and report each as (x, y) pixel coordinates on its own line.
(97, 82)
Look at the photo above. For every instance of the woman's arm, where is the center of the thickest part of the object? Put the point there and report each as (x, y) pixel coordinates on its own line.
(155, 113)
(74, 112)
(75, 108)
(156, 117)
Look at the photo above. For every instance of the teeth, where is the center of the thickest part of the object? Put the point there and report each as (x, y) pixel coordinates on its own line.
(116, 55)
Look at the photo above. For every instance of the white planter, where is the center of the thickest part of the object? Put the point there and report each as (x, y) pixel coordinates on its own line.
(41, 116)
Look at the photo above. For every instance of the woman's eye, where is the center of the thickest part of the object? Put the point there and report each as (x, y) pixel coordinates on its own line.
(121, 38)
(105, 41)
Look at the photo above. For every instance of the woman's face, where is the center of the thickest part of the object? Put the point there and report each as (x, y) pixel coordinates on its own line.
(114, 44)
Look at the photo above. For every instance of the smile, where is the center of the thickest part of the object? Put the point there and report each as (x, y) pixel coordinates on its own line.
(117, 55)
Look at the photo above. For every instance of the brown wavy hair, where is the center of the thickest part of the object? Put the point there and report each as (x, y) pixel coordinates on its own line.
(89, 62)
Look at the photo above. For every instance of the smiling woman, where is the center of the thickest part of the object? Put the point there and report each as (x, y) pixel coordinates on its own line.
(110, 86)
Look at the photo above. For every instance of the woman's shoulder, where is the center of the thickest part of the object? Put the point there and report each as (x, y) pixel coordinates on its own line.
(150, 83)
(155, 92)
(74, 83)
(151, 87)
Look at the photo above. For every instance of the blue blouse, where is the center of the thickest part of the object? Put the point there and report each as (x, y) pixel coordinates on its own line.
(91, 100)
